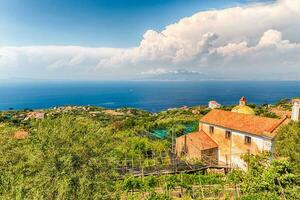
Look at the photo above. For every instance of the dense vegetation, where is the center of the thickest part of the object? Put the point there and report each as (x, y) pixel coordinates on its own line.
(263, 180)
(288, 144)
(64, 158)
(74, 153)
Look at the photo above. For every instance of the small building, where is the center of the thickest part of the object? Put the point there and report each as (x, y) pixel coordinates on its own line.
(21, 134)
(184, 108)
(227, 135)
(197, 146)
(35, 115)
(213, 105)
(296, 110)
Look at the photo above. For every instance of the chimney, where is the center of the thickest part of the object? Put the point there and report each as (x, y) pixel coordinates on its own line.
(243, 101)
(296, 110)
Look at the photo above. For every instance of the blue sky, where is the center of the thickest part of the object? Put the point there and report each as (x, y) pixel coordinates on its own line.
(150, 39)
(106, 23)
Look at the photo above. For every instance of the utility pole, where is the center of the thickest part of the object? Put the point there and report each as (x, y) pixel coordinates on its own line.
(172, 138)
(172, 149)
(230, 150)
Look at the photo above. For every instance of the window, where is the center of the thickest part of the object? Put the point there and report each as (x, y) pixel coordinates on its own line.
(211, 129)
(247, 140)
(227, 134)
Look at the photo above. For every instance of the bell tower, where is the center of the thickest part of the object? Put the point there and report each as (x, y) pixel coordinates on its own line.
(296, 110)
(243, 101)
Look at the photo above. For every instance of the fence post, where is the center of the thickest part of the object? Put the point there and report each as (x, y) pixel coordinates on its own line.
(237, 191)
(126, 164)
(200, 182)
(132, 163)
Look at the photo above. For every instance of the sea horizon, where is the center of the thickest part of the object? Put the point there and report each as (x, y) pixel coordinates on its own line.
(153, 96)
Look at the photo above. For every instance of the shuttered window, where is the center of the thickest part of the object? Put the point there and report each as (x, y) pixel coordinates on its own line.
(247, 140)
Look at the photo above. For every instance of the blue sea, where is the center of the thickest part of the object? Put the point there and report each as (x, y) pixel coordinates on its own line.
(151, 96)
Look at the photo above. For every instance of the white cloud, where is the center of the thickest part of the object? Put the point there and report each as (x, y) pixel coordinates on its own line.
(271, 40)
(256, 41)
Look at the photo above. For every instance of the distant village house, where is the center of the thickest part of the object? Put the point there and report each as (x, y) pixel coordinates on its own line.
(35, 115)
(296, 110)
(214, 105)
(21, 134)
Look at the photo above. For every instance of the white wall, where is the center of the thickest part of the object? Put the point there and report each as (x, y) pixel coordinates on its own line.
(231, 150)
(258, 145)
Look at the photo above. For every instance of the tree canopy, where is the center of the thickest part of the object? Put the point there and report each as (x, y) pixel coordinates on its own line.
(63, 158)
(287, 143)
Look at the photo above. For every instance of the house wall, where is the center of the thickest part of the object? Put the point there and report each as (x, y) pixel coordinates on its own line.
(231, 150)
(194, 153)
(210, 156)
(296, 111)
(190, 151)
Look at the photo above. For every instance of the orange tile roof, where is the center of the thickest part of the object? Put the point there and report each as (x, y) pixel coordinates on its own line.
(252, 124)
(20, 134)
(201, 140)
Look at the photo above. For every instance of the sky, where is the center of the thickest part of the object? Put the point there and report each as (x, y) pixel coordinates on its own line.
(150, 39)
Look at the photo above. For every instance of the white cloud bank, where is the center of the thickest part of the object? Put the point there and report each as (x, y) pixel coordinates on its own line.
(260, 41)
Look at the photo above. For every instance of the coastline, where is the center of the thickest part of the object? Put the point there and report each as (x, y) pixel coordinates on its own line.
(146, 95)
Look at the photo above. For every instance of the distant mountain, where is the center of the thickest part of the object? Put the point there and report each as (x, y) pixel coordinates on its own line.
(177, 75)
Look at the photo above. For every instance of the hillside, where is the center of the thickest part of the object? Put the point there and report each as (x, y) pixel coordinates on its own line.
(74, 152)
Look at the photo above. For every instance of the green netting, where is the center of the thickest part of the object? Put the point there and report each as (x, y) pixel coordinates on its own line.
(162, 133)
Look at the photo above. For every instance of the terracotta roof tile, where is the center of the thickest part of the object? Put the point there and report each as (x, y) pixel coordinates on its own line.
(252, 124)
(201, 140)
(20, 134)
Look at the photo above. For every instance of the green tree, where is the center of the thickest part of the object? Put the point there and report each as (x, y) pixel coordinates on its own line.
(277, 178)
(177, 130)
(63, 158)
(170, 183)
(150, 182)
(156, 196)
(287, 143)
(132, 183)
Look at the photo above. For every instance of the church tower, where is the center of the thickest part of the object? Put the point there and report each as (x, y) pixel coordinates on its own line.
(243, 108)
(296, 110)
(243, 101)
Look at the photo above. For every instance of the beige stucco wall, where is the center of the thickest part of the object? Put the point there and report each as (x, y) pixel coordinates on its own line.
(191, 151)
(231, 150)
(194, 153)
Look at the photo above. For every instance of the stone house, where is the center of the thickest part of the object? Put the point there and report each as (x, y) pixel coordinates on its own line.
(227, 135)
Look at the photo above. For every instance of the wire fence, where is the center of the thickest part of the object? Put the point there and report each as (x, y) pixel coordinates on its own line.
(207, 192)
(165, 163)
